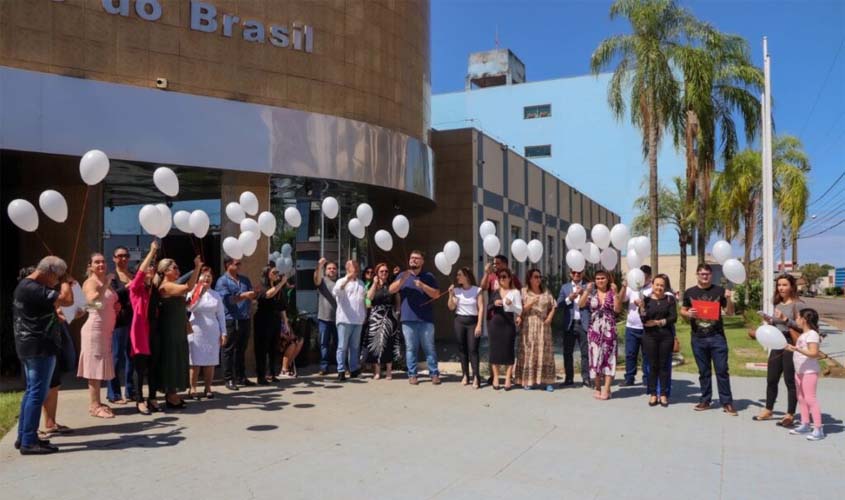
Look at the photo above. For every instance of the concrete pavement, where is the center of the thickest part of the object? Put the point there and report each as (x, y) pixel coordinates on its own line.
(315, 438)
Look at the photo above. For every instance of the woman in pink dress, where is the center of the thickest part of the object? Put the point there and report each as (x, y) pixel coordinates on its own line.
(95, 355)
(140, 331)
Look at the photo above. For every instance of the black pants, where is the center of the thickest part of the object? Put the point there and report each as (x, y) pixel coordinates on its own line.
(467, 344)
(266, 344)
(780, 363)
(576, 333)
(657, 346)
(141, 365)
(237, 333)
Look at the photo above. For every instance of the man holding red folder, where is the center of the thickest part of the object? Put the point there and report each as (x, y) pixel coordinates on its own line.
(703, 305)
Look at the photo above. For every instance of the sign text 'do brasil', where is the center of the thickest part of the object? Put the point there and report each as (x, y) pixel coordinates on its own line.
(205, 17)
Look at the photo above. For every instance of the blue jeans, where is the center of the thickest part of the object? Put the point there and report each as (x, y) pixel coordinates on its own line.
(328, 334)
(348, 344)
(37, 372)
(416, 333)
(707, 350)
(633, 347)
(121, 350)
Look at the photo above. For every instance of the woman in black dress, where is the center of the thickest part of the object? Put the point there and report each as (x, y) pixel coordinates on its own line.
(659, 312)
(503, 313)
(270, 315)
(382, 340)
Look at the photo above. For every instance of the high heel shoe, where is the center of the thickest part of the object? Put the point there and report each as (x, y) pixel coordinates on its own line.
(174, 406)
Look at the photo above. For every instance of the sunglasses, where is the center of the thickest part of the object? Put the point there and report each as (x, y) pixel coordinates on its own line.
(122, 256)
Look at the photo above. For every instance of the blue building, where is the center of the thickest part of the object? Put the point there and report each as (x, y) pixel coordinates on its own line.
(839, 277)
(562, 125)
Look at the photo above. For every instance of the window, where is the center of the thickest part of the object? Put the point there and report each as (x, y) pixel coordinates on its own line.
(538, 151)
(516, 233)
(550, 252)
(541, 111)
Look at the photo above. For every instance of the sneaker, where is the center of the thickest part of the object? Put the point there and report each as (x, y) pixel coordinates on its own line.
(816, 435)
(341, 376)
(550, 388)
(801, 429)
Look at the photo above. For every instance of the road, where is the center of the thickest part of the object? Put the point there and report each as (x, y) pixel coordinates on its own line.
(831, 311)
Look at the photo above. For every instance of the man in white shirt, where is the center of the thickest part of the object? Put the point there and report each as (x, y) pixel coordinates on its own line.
(349, 293)
(634, 328)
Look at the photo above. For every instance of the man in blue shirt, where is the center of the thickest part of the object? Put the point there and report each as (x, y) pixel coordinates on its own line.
(417, 288)
(237, 294)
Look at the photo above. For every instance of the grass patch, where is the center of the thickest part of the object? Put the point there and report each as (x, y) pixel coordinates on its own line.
(10, 406)
(743, 349)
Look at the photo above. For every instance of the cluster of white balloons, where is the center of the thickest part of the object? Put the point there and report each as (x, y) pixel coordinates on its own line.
(93, 168)
(522, 251)
(364, 217)
(599, 250)
(251, 229)
(283, 260)
(733, 268)
(448, 257)
(489, 241)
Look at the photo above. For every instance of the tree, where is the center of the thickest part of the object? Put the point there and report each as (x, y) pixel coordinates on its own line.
(813, 271)
(675, 212)
(738, 191)
(644, 72)
(719, 81)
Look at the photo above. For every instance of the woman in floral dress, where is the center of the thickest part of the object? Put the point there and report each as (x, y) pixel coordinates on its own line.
(602, 333)
(535, 364)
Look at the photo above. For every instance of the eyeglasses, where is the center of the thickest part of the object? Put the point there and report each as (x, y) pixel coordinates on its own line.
(704, 274)
(384, 271)
(122, 256)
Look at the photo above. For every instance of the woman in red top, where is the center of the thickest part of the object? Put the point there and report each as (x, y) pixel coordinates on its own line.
(139, 332)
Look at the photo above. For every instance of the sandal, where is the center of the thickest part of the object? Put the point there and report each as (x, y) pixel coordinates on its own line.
(153, 405)
(787, 422)
(763, 415)
(102, 411)
(143, 411)
(209, 395)
(58, 429)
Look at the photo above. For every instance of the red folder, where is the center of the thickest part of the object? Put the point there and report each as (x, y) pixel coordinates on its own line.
(706, 309)
(195, 295)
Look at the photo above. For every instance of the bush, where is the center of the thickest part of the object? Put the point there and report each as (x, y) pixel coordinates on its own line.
(834, 290)
(748, 296)
(752, 318)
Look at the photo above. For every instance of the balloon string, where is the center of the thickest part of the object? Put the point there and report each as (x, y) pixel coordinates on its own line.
(79, 228)
(50, 252)
(441, 294)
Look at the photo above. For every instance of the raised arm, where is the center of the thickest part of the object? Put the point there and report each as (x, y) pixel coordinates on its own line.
(94, 289)
(397, 284)
(65, 297)
(585, 294)
(617, 304)
(171, 289)
(145, 264)
(318, 272)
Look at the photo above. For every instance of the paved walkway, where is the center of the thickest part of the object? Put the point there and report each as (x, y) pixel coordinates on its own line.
(314, 438)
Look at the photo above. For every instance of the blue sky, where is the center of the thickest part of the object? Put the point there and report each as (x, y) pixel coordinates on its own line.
(555, 39)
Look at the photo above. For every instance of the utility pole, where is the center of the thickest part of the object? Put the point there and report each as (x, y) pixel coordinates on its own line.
(768, 205)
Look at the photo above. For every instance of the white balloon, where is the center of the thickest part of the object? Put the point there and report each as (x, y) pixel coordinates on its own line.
(634, 259)
(165, 220)
(93, 167)
(249, 202)
(293, 217)
(166, 181)
(401, 226)
(232, 247)
(383, 240)
(54, 205)
(569, 244)
(365, 214)
(199, 223)
(577, 235)
(575, 260)
(356, 228)
(636, 279)
(249, 242)
(535, 251)
(592, 253)
(289, 265)
(722, 251)
(619, 236)
(286, 250)
(734, 271)
(235, 212)
(442, 263)
(330, 207)
(491, 245)
(643, 246)
(601, 236)
(281, 264)
(182, 221)
(770, 337)
(609, 258)
(275, 256)
(519, 250)
(23, 214)
(267, 223)
(452, 251)
(250, 225)
(150, 219)
(486, 229)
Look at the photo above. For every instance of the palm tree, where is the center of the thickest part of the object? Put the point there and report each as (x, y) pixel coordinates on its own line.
(674, 211)
(737, 192)
(719, 81)
(645, 72)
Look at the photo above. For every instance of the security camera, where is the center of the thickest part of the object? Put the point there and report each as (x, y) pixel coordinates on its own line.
(161, 83)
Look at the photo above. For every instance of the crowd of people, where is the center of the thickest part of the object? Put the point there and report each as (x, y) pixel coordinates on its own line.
(164, 329)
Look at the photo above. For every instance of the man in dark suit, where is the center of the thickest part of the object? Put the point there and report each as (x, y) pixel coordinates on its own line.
(576, 322)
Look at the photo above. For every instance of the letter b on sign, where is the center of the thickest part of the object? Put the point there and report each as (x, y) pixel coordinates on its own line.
(203, 17)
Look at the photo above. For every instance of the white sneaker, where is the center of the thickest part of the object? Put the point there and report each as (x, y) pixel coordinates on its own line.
(817, 435)
(801, 429)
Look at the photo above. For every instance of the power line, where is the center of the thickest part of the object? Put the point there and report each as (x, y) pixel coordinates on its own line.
(822, 231)
(831, 199)
(833, 213)
(828, 189)
(819, 95)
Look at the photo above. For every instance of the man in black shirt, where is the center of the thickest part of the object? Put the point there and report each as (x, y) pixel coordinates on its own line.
(37, 341)
(121, 347)
(709, 345)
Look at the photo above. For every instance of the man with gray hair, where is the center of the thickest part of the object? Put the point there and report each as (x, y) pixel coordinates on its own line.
(37, 342)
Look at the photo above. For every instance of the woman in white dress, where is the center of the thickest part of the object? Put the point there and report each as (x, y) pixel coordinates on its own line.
(208, 323)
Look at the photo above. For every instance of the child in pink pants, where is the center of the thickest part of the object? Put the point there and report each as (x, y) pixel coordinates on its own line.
(806, 359)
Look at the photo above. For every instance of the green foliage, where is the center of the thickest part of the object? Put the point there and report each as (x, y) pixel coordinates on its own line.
(813, 271)
(833, 290)
(10, 405)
